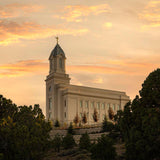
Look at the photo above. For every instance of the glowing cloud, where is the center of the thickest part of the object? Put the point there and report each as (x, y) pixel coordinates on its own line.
(23, 68)
(151, 14)
(75, 13)
(16, 9)
(108, 25)
(12, 32)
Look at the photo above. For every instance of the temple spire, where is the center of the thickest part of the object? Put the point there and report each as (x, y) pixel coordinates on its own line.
(57, 38)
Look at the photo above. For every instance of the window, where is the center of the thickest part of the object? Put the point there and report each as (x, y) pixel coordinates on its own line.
(50, 89)
(50, 103)
(87, 115)
(65, 115)
(98, 105)
(86, 104)
(81, 104)
(108, 105)
(114, 107)
(60, 62)
(103, 106)
(81, 115)
(92, 105)
(65, 103)
(50, 116)
(103, 116)
(118, 107)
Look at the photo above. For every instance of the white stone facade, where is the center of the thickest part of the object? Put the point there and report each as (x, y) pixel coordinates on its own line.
(64, 101)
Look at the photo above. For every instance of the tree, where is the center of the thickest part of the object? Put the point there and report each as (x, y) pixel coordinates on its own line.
(84, 118)
(111, 113)
(95, 115)
(57, 142)
(68, 141)
(85, 142)
(24, 133)
(76, 119)
(57, 124)
(70, 129)
(140, 121)
(103, 149)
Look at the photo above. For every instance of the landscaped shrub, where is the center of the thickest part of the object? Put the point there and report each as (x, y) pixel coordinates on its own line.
(70, 129)
(85, 142)
(103, 150)
(68, 141)
(57, 142)
(57, 124)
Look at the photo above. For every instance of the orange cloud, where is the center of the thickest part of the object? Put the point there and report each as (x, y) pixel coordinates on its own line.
(151, 14)
(12, 32)
(16, 9)
(75, 13)
(108, 25)
(23, 68)
(124, 67)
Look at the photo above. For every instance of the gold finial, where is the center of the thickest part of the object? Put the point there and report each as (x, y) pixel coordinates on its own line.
(57, 38)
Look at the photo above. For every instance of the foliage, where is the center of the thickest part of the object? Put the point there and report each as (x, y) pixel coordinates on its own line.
(111, 113)
(57, 142)
(85, 142)
(95, 115)
(68, 141)
(76, 119)
(107, 126)
(84, 118)
(140, 121)
(24, 133)
(70, 129)
(57, 124)
(103, 150)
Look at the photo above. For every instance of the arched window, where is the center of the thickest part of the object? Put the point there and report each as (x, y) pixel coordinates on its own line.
(60, 62)
(50, 64)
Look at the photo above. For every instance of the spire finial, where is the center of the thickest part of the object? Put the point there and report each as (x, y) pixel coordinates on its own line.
(57, 38)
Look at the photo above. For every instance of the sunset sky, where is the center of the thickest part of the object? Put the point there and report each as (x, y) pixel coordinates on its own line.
(110, 44)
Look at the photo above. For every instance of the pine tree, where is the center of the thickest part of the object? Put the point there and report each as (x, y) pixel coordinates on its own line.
(76, 119)
(84, 118)
(111, 113)
(95, 115)
(85, 142)
(105, 124)
(57, 124)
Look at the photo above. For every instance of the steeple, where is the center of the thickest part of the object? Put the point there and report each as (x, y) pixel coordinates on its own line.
(57, 59)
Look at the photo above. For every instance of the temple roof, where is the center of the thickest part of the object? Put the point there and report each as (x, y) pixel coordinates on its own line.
(56, 51)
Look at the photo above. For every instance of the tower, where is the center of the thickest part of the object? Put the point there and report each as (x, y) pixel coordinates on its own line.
(57, 75)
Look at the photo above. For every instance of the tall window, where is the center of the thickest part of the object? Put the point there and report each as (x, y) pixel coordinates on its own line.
(92, 105)
(108, 105)
(98, 105)
(65, 115)
(114, 107)
(86, 104)
(81, 104)
(60, 62)
(50, 103)
(103, 106)
(50, 115)
(118, 107)
(65, 103)
(50, 64)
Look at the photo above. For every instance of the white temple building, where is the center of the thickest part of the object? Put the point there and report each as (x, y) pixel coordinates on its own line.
(64, 101)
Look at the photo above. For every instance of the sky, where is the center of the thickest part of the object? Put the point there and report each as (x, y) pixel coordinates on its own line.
(109, 44)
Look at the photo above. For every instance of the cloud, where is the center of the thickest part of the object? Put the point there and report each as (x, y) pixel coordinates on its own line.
(77, 12)
(17, 9)
(151, 14)
(109, 67)
(12, 32)
(23, 68)
(108, 25)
